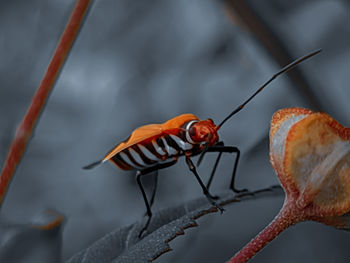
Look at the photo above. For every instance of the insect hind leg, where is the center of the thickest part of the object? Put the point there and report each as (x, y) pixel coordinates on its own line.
(154, 190)
(155, 185)
(139, 173)
(148, 207)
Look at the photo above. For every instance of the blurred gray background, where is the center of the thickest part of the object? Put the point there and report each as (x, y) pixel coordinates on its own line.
(140, 62)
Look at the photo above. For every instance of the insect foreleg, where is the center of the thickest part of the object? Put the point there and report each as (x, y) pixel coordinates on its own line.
(228, 149)
(215, 165)
(214, 169)
(205, 190)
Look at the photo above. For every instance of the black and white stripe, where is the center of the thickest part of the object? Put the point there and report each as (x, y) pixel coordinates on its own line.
(170, 148)
(184, 146)
(148, 153)
(163, 149)
(158, 149)
(129, 161)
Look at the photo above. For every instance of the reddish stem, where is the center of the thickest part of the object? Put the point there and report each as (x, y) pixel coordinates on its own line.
(25, 129)
(286, 217)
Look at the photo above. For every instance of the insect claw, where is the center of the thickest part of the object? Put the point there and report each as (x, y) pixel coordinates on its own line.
(141, 232)
(211, 200)
(238, 191)
(144, 228)
(219, 207)
(149, 214)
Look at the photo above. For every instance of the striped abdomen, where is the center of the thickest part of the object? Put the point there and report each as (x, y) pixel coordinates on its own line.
(153, 151)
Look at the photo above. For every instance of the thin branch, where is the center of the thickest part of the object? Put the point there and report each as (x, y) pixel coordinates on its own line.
(282, 221)
(25, 129)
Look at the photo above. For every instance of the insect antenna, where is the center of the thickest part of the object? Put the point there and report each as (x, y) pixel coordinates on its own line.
(283, 70)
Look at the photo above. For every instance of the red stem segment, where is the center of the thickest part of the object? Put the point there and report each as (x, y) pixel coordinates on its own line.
(282, 221)
(25, 129)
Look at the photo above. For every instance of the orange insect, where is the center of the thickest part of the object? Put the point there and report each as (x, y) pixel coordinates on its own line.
(157, 146)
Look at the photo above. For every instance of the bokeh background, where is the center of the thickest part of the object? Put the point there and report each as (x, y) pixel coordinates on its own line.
(140, 62)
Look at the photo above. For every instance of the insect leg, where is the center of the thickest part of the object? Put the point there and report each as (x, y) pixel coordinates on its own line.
(214, 169)
(138, 179)
(215, 166)
(155, 184)
(148, 207)
(205, 190)
(228, 149)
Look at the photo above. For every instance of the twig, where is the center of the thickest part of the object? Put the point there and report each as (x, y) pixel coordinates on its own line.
(281, 222)
(25, 129)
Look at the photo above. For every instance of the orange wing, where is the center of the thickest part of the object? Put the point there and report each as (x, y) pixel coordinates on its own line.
(151, 130)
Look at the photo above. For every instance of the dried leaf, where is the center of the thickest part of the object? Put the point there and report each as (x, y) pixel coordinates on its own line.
(311, 155)
(310, 152)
